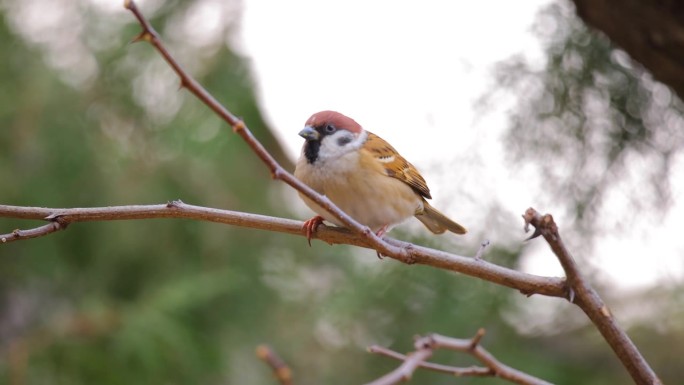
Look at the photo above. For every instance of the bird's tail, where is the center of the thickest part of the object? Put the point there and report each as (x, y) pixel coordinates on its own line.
(438, 222)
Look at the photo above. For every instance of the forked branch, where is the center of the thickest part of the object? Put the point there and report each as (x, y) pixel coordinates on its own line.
(583, 295)
(426, 345)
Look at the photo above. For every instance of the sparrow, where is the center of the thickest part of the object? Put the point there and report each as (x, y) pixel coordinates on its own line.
(364, 176)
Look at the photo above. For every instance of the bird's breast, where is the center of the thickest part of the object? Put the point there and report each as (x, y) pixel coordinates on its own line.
(367, 195)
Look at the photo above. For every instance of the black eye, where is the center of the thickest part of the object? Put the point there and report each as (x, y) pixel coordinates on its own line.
(329, 128)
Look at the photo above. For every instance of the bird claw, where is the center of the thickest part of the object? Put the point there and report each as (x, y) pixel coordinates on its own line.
(310, 226)
(381, 233)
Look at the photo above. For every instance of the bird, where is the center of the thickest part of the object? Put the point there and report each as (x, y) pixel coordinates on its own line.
(364, 176)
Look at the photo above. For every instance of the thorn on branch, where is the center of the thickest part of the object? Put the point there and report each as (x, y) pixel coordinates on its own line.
(480, 251)
(537, 232)
(571, 294)
(142, 36)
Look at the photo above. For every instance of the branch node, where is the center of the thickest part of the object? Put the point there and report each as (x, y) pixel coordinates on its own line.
(176, 203)
(277, 173)
(606, 312)
(424, 342)
(409, 251)
(59, 221)
(238, 126)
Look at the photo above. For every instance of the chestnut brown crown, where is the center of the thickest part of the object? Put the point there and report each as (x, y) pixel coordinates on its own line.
(335, 119)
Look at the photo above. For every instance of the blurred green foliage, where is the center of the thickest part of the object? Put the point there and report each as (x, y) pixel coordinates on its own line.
(88, 120)
(594, 123)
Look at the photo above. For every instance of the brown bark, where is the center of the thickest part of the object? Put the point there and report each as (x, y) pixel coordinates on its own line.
(651, 32)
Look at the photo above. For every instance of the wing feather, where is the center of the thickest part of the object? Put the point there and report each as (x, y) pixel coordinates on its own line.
(394, 165)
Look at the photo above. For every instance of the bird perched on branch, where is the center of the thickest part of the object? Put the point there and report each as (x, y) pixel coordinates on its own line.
(364, 176)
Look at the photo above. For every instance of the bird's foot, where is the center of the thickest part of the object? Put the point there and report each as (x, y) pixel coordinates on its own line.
(381, 233)
(310, 226)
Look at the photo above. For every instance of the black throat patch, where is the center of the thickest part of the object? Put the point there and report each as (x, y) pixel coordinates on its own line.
(311, 148)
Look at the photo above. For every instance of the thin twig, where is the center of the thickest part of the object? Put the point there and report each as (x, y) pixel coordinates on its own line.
(580, 292)
(405, 370)
(481, 250)
(281, 371)
(472, 346)
(473, 371)
(492, 366)
(525, 283)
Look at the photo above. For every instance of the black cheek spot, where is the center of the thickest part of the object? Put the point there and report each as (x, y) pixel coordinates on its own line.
(343, 141)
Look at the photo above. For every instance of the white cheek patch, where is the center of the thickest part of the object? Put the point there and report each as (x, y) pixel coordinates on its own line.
(333, 146)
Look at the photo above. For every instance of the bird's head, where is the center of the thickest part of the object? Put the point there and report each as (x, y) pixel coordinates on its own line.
(330, 135)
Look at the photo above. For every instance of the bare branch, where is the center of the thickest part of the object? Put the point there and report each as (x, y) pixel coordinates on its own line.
(580, 292)
(472, 346)
(281, 371)
(526, 283)
(429, 343)
(473, 371)
(405, 370)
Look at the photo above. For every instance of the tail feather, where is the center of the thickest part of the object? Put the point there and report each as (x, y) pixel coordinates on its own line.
(438, 222)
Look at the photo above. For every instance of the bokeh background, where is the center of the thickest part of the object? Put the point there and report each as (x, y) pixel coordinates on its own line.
(501, 106)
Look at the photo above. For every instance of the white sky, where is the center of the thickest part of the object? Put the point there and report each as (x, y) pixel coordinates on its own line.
(411, 73)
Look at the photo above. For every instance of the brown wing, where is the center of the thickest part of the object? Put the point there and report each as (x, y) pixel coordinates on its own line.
(395, 165)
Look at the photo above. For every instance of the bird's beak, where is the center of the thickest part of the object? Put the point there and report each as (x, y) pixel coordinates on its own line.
(309, 133)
